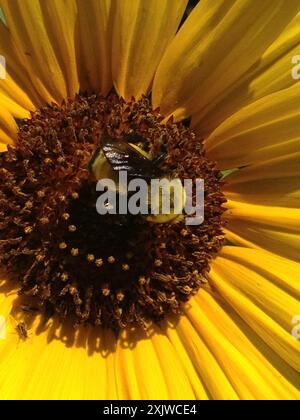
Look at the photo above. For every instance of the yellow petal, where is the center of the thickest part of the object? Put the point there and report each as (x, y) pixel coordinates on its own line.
(16, 100)
(259, 281)
(275, 378)
(197, 383)
(246, 380)
(141, 32)
(125, 372)
(272, 183)
(17, 84)
(252, 235)
(87, 363)
(275, 229)
(264, 130)
(4, 141)
(150, 386)
(26, 23)
(13, 108)
(279, 271)
(206, 364)
(216, 46)
(270, 74)
(94, 45)
(8, 125)
(135, 378)
(259, 304)
(60, 19)
(175, 377)
(78, 364)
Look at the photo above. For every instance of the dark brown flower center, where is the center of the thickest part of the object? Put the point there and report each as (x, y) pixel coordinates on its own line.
(110, 270)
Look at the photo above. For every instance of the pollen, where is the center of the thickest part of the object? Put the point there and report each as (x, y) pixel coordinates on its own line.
(48, 161)
(41, 194)
(111, 259)
(44, 220)
(90, 258)
(114, 271)
(142, 280)
(62, 198)
(75, 196)
(72, 228)
(29, 205)
(64, 277)
(184, 233)
(158, 263)
(106, 291)
(99, 262)
(120, 296)
(28, 230)
(74, 252)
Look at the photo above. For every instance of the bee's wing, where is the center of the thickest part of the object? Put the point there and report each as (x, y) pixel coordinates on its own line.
(123, 157)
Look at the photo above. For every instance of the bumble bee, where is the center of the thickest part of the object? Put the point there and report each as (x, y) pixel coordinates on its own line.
(115, 155)
(122, 155)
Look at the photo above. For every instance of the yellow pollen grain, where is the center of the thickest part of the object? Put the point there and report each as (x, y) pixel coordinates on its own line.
(61, 159)
(90, 258)
(74, 252)
(47, 161)
(28, 230)
(41, 194)
(184, 232)
(106, 292)
(64, 277)
(118, 312)
(63, 245)
(142, 280)
(62, 198)
(72, 228)
(29, 204)
(99, 262)
(40, 258)
(111, 259)
(75, 195)
(44, 220)
(66, 216)
(120, 296)
(158, 263)
(125, 267)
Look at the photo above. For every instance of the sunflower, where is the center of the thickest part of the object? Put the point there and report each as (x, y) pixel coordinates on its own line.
(161, 311)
